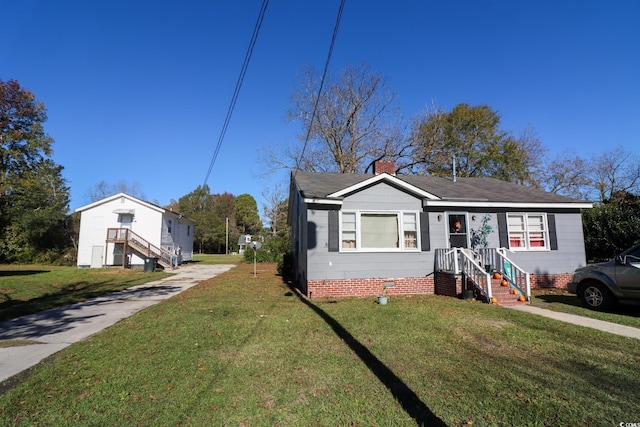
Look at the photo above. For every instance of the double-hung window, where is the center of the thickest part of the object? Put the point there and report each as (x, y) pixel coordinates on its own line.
(379, 231)
(528, 231)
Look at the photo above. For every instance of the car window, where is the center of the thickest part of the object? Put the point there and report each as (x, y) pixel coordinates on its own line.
(634, 261)
(633, 258)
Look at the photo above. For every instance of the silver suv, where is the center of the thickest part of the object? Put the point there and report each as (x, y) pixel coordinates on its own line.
(600, 285)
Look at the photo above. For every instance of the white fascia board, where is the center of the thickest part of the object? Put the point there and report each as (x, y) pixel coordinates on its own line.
(389, 178)
(470, 204)
(116, 196)
(314, 201)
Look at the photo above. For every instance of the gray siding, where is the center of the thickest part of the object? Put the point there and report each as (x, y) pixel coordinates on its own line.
(323, 264)
(567, 258)
(316, 262)
(382, 197)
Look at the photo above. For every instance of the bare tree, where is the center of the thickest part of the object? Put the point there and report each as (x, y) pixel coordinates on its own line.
(567, 175)
(353, 123)
(103, 189)
(275, 208)
(614, 171)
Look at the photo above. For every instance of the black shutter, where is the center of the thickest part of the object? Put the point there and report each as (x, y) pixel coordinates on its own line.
(334, 230)
(424, 231)
(553, 236)
(503, 233)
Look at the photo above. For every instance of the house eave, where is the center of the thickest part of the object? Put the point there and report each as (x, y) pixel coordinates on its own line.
(322, 201)
(508, 205)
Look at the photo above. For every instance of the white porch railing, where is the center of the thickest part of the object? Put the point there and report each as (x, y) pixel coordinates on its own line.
(517, 277)
(479, 265)
(464, 262)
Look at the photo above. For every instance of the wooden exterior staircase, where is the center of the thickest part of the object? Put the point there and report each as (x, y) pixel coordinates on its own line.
(140, 246)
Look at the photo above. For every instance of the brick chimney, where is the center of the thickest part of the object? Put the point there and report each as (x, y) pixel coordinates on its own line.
(382, 166)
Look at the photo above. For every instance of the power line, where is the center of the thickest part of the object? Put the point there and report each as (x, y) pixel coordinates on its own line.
(324, 74)
(236, 92)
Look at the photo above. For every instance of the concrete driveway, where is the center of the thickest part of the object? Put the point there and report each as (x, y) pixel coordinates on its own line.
(60, 327)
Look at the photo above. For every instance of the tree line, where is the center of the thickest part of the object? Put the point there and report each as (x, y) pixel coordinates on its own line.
(353, 123)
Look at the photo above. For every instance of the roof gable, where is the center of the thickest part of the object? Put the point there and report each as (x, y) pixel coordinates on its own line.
(117, 196)
(383, 177)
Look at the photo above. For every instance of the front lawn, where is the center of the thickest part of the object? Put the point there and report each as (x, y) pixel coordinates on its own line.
(240, 350)
(217, 259)
(26, 289)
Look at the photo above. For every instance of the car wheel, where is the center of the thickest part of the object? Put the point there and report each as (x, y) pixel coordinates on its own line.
(596, 296)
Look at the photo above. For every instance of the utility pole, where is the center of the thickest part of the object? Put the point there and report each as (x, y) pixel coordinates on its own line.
(226, 245)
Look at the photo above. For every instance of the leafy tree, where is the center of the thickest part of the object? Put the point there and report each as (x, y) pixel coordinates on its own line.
(612, 226)
(34, 197)
(198, 206)
(355, 122)
(216, 217)
(224, 221)
(246, 214)
(481, 149)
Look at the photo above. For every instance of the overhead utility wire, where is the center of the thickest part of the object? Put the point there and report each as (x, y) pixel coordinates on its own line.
(324, 74)
(236, 92)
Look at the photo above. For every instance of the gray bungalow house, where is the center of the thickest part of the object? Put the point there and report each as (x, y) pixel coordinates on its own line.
(355, 234)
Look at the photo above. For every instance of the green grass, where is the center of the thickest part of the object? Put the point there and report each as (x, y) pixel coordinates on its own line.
(240, 350)
(217, 259)
(26, 289)
(562, 301)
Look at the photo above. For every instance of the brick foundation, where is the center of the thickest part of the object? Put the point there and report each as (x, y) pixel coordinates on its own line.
(542, 281)
(438, 283)
(447, 284)
(369, 287)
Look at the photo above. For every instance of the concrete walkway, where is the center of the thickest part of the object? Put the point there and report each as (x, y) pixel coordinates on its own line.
(612, 328)
(60, 327)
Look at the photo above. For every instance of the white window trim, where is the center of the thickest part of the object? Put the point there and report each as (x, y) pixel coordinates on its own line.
(399, 215)
(527, 248)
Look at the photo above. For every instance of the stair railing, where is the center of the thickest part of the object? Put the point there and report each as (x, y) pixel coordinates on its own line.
(516, 276)
(447, 261)
(473, 271)
(459, 261)
(141, 245)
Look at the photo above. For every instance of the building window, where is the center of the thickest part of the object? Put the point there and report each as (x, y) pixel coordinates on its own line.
(125, 219)
(528, 231)
(379, 231)
(169, 225)
(410, 230)
(349, 230)
(188, 230)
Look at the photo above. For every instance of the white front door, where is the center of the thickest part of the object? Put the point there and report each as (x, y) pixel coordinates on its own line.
(96, 256)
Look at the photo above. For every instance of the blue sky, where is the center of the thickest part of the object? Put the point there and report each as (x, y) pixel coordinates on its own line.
(138, 90)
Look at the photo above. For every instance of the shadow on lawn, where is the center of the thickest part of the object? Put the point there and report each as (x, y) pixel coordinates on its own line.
(7, 273)
(407, 398)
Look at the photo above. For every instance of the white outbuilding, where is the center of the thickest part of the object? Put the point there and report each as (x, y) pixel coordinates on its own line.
(122, 230)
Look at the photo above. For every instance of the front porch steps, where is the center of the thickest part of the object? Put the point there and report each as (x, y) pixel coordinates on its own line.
(504, 294)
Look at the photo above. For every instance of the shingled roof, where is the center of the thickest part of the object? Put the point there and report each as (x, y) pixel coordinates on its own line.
(323, 185)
